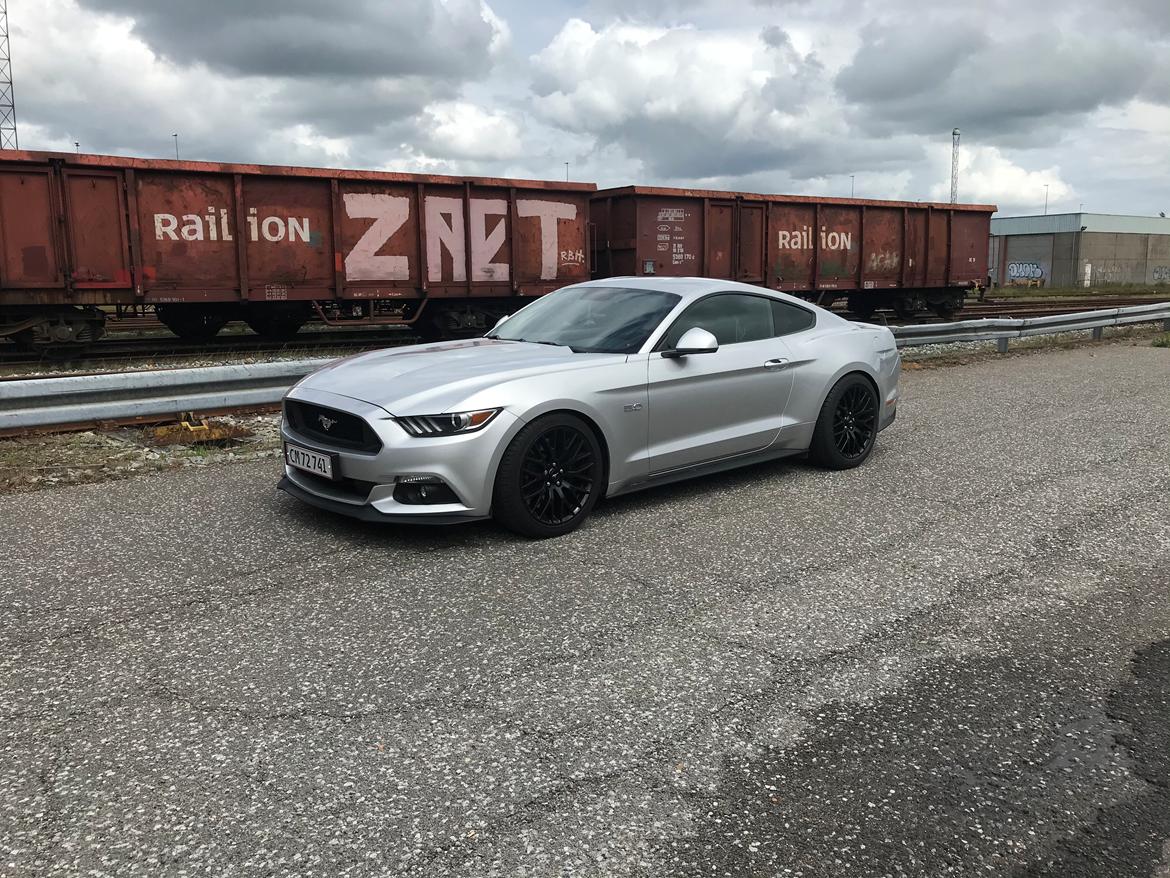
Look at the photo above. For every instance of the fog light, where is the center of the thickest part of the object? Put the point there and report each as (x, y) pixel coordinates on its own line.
(423, 491)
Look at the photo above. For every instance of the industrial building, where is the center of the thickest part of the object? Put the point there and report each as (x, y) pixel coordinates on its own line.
(1079, 249)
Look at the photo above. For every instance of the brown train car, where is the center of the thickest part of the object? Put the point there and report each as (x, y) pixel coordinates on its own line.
(903, 255)
(206, 243)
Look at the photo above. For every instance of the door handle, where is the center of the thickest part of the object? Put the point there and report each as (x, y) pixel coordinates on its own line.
(778, 363)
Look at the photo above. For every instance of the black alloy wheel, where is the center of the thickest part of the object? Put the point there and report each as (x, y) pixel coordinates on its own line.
(847, 426)
(855, 421)
(549, 478)
(555, 478)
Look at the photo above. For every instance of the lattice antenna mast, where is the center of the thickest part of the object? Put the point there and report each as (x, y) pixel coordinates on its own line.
(954, 163)
(8, 138)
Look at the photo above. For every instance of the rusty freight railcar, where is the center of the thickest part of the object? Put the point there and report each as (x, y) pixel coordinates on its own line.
(206, 243)
(907, 256)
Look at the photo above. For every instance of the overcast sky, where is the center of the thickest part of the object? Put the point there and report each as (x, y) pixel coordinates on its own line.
(762, 95)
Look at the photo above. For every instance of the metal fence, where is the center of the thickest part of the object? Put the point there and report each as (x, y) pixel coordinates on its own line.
(121, 396)
(1002, 329)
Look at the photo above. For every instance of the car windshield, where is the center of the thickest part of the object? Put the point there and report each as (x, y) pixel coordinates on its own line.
(611, 320)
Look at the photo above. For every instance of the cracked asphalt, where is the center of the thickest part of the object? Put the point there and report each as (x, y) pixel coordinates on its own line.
(954, 660)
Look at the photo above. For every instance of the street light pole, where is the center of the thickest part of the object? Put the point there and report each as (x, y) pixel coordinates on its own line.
(1046, 199)
(851, 185)
(176, 136)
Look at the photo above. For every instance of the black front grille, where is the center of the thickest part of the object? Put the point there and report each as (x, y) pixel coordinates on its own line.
(331, 427)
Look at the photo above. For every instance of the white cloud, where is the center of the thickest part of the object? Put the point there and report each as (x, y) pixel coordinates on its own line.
(987, 176)
(458, 129)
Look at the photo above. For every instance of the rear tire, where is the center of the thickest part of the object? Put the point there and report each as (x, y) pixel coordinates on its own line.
(550, 477)
(847, 425)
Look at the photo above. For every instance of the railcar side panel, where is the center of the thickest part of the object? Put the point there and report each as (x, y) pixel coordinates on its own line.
(969, 244)
(99, 247)
(189, 231)
(28, 234)
(883, 247)
(791, 230)
(287, 238)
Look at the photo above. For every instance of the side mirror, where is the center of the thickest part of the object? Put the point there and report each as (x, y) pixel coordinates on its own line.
(695, 340)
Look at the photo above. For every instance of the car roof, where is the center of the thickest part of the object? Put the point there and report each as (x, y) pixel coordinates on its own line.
(691, 287)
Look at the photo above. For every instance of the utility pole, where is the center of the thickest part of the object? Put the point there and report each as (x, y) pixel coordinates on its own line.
(176, 136)
(955, 166)
(8, 139)
(1046, 199)
(851, 176)
(566, 172)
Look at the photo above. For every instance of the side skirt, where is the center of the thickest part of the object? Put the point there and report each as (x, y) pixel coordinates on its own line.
(706, 469)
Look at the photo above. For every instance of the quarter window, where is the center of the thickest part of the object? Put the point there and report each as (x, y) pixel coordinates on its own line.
(790, 318)
(731, 318)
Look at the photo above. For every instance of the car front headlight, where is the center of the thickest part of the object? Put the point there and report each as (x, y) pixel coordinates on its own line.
(448, 424)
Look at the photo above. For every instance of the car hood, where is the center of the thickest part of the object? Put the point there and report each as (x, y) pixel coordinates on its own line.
(434, 378)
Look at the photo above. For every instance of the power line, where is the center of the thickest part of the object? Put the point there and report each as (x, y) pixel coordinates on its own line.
(8, 139)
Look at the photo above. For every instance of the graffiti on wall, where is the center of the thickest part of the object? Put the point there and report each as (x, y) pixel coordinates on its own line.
(1161, 274)
(1025, 271)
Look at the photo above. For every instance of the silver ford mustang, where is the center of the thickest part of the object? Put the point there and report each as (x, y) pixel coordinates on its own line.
(595, 390)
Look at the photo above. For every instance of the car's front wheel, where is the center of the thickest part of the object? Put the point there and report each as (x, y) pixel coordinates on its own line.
(549, 477)
(847, 425)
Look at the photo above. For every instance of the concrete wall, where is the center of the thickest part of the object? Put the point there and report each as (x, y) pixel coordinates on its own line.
(1158, 260)
(1060, 259)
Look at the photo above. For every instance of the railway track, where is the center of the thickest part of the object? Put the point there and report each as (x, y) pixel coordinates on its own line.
(144, 340)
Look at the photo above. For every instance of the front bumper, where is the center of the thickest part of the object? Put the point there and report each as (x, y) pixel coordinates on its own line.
(365, 488)
(366, 512)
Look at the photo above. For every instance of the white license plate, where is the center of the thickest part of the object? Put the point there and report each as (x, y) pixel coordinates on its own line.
(310, 461)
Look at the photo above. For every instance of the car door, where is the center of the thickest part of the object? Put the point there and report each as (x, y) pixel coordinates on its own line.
(704, 407)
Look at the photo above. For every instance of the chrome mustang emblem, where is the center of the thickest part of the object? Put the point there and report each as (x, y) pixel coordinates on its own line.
(326, 423)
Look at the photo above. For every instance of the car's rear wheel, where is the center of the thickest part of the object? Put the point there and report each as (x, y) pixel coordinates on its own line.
(847, 425)
(549, 478)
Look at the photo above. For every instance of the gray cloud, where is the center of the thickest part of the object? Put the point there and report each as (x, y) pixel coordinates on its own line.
(1014, 89)
(307, 38)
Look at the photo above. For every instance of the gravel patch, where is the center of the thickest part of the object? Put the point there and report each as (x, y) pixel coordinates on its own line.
(51, 460)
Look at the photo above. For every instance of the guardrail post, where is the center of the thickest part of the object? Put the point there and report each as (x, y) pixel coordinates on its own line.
(1001, 345)
(1098, 332)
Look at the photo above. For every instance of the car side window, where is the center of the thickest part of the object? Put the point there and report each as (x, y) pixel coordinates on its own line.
(790, 318)
(730, 317)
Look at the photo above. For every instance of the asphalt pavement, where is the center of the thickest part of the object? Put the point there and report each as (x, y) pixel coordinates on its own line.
(954, 660)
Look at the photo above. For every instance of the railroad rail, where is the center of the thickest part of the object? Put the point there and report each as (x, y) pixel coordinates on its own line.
(83, 401)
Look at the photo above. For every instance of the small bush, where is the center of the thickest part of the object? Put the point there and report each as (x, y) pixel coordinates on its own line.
(1162, 341)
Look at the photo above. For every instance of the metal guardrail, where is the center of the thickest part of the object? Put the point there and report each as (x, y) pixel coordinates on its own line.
(120, 396)
(1002, 329)
(126, 396)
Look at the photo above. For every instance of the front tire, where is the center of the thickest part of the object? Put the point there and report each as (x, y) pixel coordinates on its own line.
(549, 478)
(847, 425)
